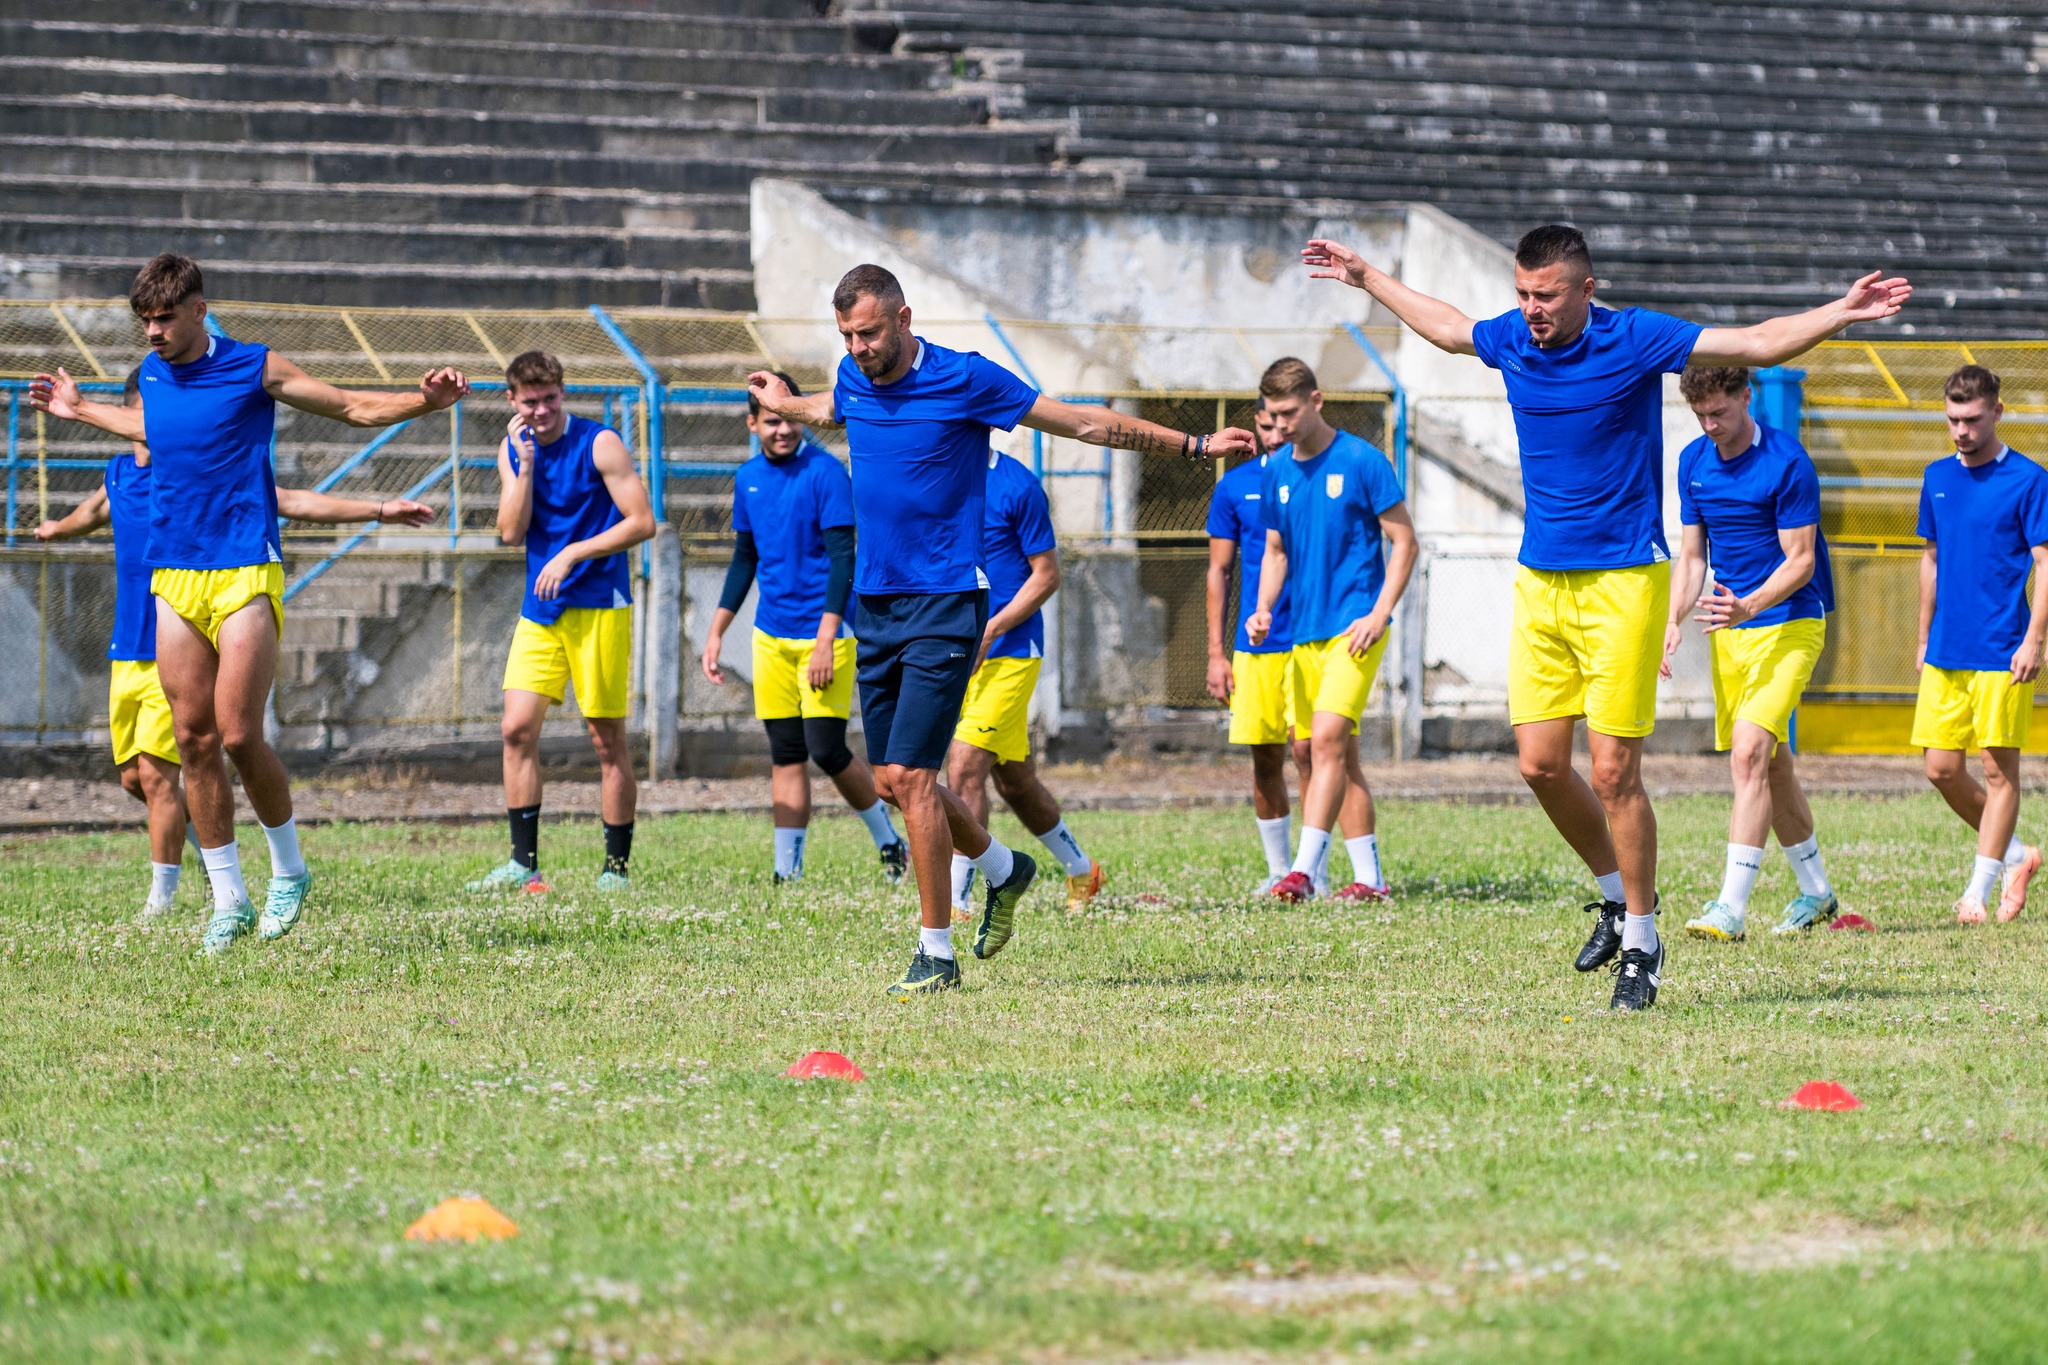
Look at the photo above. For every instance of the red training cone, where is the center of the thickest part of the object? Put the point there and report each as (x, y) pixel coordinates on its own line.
(1825, 1095)
(824, 1066)
(1852, 920)
(461, 1220)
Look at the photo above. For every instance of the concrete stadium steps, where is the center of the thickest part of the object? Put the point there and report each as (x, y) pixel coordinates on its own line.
(342, 627)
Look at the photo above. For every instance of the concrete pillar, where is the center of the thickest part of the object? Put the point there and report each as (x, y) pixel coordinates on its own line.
(664, 651)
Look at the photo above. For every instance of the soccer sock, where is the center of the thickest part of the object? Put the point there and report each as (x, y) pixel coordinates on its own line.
(1610, 887)
(1365, 859)
(1808, 870)
(1275, 835)
(285, 858)
(525, 835)
(1639, 933)
(1060, 841)
(963, 877)
(876, 818)
(618, 846)
(1739, 880)
(1984, 878)
(163, 881)
(2015, 850)
(789, 853)
(1315, 846)
(996, 862)
(224, 869)
(1321, 876)
(936, 943)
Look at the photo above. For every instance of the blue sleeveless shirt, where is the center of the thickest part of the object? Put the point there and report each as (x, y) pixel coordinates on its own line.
(213, 500)
(571, 503)
(128, 485)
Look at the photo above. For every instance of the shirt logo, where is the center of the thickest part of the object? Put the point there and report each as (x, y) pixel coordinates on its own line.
(1283, 495)
(1251, 497)
(1333, 484)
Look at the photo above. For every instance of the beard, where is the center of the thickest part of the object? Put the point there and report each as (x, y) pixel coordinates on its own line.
(883, 358)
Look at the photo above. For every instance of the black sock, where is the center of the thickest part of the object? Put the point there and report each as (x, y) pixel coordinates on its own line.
(525, 834)
(618, 846)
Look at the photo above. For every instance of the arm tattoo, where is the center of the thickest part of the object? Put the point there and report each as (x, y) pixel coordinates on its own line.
(1126, 436)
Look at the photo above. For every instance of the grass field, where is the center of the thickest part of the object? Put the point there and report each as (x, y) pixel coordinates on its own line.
(1183, 1124)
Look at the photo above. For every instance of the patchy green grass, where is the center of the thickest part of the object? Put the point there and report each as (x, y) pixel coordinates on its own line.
(1186, 1121)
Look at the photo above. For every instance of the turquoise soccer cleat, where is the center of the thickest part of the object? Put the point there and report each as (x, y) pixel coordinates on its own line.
(612, 883)
(281, 909)
(227, 925)
(513, 875)
(1806, 911)
(1717, 920)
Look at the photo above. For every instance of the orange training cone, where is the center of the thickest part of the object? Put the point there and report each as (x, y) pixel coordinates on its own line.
(824, 1066)
(1852, 920)
(1825, 1095)
(461, 1220)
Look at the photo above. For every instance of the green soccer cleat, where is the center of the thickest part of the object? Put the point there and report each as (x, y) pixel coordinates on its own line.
(512, 876)
(612, 883)
(1806, 911)
(281, 909)
(1717, 920)
(928, 975)
(226, 926)
(999, 913)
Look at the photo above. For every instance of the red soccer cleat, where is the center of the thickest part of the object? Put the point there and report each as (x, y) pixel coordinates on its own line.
(1359, 891)
(1295, 886)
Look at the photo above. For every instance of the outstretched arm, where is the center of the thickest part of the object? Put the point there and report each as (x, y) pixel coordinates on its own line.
(303, 504)
(1435, 321)
(1776, 340)
(89, 515)
(813, 409)
(58, 395)
(293, 387)
(1104, 427)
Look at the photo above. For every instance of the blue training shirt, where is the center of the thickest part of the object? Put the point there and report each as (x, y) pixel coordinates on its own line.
(920, 466)
(1017, 526)
(1327, 511)
(1234, 515)
(1743, 503)
(1984, 523)
(208, 424)
(1589, 417)
(128, 485)
(788, 505)
(570, 504)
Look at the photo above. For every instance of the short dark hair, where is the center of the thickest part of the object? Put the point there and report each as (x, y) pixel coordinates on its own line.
(534, 370)
(754, 404)
(1701, 382)
(1287, 377)
(1554, 244)
(165, 282)
(1970, 383)
(131, 388)
(867, 281)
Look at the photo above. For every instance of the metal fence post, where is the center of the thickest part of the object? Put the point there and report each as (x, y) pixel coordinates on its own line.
(1414, 632)
(664, 652)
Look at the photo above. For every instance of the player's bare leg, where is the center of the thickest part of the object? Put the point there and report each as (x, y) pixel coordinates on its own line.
(1544, 748)
(1992, 808)
(154, 782)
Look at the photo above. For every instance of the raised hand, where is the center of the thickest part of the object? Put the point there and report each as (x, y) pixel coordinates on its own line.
(1328, 260)
(442, 388)
(405, 512)
(1873, 297)
(521, 436)
(56, 394)
(768, 389)
(1231, 441)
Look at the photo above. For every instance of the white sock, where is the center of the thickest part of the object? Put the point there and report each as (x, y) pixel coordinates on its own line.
(876, 818)
(1315, 846)
(1610, 887)
(285, 858)
(1321, 876)
(1065, 847)
(224, 870)
(1365, 859)
(1275, 835)
(1984, 878)
(996, 862)
(2015, 850)
(163, 882)
(789, 853)
(1639, 933)
(936, 942)
(1808, 870)
(1739, 880)
(963, 878)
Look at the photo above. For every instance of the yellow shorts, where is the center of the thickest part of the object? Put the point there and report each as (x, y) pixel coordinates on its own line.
(1262, 706)
(1760, 673)
(591, 648)
(1964, 709)
(138, 713)
(782, 684)
(1329, 677)
(997, 713)
(207, 597)
(1587, 642)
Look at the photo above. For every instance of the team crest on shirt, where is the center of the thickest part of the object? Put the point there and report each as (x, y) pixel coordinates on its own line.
(1333, 484)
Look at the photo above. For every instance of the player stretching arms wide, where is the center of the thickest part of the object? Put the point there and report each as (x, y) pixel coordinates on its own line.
(1592, 594)
(138, 716)
(1984, 516)
(1327, 500)
(1257, 681)
(917, 420)
(1022, 562)
(792, 522)
(208, 415)
(1749, 499)
(568, 491)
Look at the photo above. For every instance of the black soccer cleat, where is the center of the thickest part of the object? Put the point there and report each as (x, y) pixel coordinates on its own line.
(1636, 978)
(1605, 940)
(999, 912)
(895, 861)
(928, 975)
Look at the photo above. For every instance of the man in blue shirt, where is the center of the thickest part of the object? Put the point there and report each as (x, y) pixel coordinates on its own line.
(1749, 500)
(792, 523)
(1984, 516)
(1327, 501)
(993, 739)
(1255, 681)
(1585, 384)
(917, 420)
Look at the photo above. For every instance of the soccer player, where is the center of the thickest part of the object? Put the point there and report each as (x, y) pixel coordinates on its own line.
(138, 715)
(917, 420)
(568, 492)
(1984, 516)
(1256, 681)
(1592, 593)
(1749, 500)
(1327, 502)
(993, 740)
(216, 567)
(792, 521)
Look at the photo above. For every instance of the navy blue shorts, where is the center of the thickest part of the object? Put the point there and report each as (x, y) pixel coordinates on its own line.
(916, 657)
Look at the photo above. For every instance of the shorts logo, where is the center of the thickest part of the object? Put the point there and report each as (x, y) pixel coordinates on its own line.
(1284, 490)
(1333, 484)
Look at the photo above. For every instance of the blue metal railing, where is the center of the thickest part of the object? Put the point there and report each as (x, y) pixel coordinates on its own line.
(1400, 398)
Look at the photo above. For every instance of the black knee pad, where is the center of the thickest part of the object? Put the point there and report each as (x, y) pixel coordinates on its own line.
(825, 738)
(785, 741)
